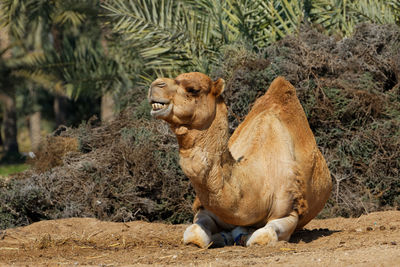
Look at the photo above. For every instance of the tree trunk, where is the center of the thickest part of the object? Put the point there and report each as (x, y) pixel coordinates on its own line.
(34, 130)
(60, 107)
(11, 150)
(107, 107)
(1, 139)
(60, 102)
(107, 100)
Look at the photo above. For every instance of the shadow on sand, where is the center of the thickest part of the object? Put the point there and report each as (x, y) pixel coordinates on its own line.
(310, 235)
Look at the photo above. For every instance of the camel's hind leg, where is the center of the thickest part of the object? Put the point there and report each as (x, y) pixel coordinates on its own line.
(274, 230)
(206, 230)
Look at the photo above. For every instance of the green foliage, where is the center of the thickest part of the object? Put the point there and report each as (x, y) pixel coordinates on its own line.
(263, 22)
(166, 36)
(341, 16)
(176, 36)
(57, 45)
(170, 37)
(8, 169)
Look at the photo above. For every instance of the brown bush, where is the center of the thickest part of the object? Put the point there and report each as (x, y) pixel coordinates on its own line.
(52, 151)
(350, 92)
(124, 170)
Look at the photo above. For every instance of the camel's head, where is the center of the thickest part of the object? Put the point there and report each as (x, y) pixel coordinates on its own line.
(188, 100)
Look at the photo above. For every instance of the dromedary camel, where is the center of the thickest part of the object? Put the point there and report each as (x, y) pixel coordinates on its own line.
(256, 187)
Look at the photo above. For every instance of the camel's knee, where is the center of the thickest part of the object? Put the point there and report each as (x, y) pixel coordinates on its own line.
(279, 229)
(197, 235)
(205, 219)
(201, 233)
(263, 236)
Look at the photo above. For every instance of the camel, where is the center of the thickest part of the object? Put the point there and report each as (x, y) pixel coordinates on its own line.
(257, 186)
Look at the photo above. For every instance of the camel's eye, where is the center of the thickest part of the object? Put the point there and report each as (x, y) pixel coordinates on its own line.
(192, 90)
(161, 84)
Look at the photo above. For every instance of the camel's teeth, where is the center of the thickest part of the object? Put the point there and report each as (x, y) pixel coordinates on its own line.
(157, 106)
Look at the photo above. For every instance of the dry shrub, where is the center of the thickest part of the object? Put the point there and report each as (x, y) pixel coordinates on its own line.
(350, 92)
(51, 152)
(125, 170)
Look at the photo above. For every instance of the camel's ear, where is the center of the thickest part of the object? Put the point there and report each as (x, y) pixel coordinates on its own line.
(218, 87)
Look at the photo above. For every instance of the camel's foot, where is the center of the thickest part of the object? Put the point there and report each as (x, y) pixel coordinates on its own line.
(221, 239)
(240, 235)
(196, 235)
(263, 236)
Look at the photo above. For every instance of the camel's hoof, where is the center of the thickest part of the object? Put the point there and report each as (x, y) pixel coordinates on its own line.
(195, 235)
(263, 236)
(240, 236)
(221, 239)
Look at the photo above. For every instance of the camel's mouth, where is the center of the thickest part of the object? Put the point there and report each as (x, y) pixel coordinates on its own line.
(158, 106)
(160, 109)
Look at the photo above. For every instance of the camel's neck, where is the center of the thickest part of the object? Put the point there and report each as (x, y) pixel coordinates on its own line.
(204, 155)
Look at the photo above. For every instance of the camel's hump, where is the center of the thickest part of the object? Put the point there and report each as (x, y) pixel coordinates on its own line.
(280, 101)
(281, 90)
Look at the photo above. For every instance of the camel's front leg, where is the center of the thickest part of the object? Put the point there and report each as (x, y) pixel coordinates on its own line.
(206, 229)
(278, 229)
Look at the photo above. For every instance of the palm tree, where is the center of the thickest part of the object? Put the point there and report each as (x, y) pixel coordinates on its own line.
(166, 37)
(7, 99)
(58, 47)
(341, 16)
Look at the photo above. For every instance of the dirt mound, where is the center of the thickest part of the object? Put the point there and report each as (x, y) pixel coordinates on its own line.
(372, 239)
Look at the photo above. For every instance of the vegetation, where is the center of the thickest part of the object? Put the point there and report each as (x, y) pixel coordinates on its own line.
(175, 36)
(56, 54)
(59, 60)
(6, 170)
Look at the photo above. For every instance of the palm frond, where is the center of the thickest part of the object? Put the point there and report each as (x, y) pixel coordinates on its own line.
(374, 11)
(48, 81)
(13, 16)
(166, 34)
(341, 16)
(263, 22)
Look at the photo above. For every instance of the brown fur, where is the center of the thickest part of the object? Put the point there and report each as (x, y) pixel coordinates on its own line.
(269, 168)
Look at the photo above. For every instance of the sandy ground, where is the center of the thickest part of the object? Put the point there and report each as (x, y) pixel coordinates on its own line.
(371, 240)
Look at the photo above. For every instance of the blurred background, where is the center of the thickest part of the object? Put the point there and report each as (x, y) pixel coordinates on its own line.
(74, 76)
